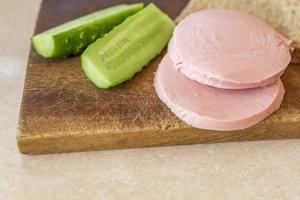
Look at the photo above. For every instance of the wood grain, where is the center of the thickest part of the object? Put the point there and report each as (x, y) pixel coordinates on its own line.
(62, 111)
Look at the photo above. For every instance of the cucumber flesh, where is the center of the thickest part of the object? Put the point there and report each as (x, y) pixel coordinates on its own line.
(130, 46)
(74, 36)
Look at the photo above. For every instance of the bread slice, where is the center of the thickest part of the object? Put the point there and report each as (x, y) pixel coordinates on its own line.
(283, 15)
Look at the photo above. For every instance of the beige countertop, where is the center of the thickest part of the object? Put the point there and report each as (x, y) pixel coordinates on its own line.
(245, 170)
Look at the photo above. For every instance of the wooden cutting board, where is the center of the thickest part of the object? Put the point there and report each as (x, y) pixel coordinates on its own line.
(62, 111)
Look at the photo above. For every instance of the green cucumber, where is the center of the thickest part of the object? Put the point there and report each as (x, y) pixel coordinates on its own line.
(73, 37)
(130, 46)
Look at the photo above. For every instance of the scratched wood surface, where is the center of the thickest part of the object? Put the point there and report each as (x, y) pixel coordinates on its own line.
(62, 111)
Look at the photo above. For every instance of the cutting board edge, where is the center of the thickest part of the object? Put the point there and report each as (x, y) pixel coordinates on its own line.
(108, 141)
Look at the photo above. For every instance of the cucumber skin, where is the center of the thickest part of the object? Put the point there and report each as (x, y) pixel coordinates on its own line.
(99, 75)
(74, 41)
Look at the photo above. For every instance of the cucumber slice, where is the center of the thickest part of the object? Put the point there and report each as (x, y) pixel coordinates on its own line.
(125, 50)
(74, 36)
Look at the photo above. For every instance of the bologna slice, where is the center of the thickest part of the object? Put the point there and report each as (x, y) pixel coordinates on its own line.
(206, 107)
(229, 49)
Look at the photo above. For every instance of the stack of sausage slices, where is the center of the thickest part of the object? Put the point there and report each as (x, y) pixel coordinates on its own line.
(222, 70)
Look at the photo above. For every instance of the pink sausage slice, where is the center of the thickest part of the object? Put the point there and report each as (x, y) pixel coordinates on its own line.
(206, 107)
(229, 49)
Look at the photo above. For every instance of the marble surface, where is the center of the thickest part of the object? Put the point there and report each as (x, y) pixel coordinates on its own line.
(246, 170)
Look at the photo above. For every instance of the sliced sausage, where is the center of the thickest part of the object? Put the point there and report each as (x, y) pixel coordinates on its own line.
(229, 49)
(206, 107)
